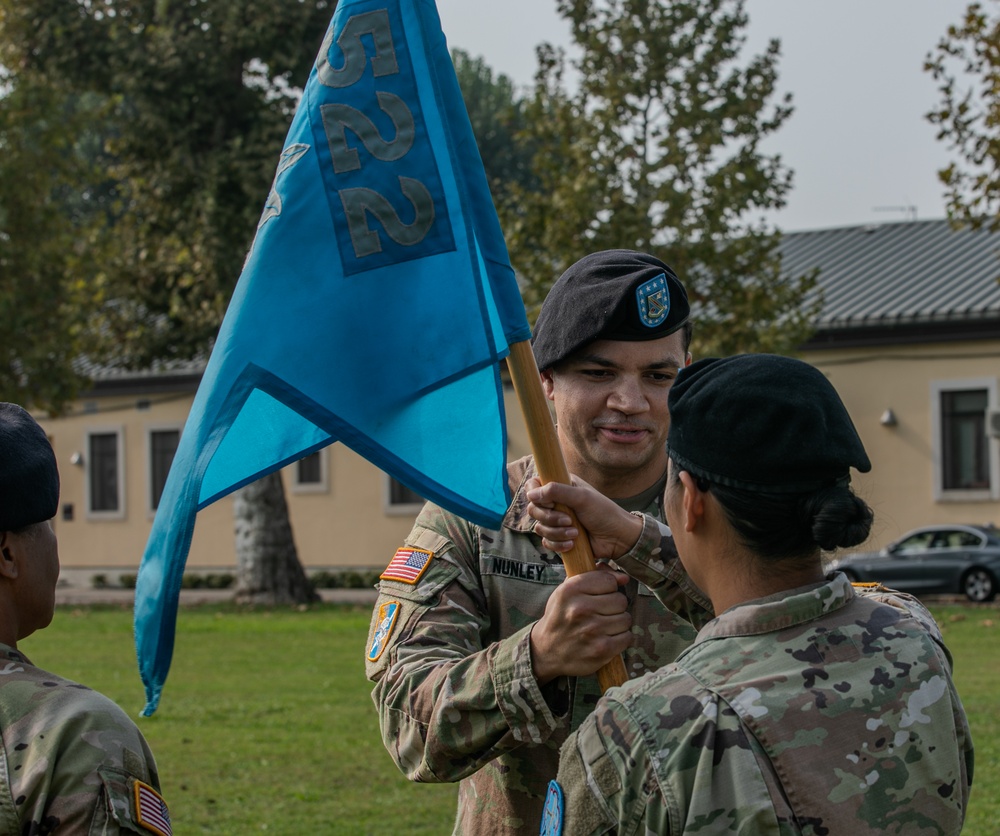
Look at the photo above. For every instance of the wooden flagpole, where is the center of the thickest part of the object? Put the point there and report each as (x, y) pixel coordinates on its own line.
(551, 467)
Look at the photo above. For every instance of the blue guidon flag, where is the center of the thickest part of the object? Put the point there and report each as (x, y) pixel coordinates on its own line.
(374, 307)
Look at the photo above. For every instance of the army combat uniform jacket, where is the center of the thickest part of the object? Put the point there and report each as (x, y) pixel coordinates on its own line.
(827, 710)
(450, 658)
(72, 761)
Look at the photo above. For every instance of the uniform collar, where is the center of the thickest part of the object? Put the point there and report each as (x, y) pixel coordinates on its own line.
(782, 611)
(13, 654)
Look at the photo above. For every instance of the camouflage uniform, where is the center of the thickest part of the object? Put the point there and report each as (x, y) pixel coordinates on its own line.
(71, 757)
(827, 710)
(455, 691)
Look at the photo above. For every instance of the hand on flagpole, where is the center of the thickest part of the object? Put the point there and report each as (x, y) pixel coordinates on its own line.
(551, 467)
(612, 530)
(586, 624)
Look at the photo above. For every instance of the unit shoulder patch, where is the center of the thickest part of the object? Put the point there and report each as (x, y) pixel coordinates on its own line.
(407, 565)
(387, 615)
(552, 813)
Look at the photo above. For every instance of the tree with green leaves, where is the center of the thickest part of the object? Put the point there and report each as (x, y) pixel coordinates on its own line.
(49, 266)
(966, 67)
(195, 98)
(655, 144)
(497, 114)
(200, 95)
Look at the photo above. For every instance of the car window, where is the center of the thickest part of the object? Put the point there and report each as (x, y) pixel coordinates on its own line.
(963, 539)
(915, 542)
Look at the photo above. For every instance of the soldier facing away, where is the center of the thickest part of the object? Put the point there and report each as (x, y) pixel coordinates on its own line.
(74, 761)
(482, 652)
(808, 706)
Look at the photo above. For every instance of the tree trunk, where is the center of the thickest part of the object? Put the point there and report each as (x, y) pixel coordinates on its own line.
(267, 563)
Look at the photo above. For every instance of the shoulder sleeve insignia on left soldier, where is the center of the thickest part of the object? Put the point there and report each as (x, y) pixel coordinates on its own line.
(386, 621)
(407, 565)
(151, 810)
(552, 813)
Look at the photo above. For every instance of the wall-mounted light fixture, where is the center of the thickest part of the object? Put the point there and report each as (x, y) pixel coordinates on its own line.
(76, 459)
(888, 418)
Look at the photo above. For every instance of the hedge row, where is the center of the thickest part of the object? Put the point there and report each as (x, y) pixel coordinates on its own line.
(324, 579)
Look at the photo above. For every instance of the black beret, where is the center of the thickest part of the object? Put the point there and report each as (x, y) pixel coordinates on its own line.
(761, 422)
(29, 478)
(609, 295)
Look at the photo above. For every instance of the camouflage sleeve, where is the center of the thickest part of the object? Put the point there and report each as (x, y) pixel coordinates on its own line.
(908, 604)
(74, 761)
(608, 789)
(911, 605)
(676, 759)
(653, 561)
(449, 698)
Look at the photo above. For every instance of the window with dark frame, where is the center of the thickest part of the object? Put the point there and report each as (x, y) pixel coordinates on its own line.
(309, 471)
(105, 495)
(964, 445)
(399, 494)
(162, 447)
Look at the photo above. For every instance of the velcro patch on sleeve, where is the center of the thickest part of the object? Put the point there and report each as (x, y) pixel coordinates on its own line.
(151, 810)
(407, 565)
(387, 615)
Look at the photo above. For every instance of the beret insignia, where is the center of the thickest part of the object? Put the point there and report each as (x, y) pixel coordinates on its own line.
(653, 300)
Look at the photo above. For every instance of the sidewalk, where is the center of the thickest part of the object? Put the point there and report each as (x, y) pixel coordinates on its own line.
(82, 596)
(76, 588)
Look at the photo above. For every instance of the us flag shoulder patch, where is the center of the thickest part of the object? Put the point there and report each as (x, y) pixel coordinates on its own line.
(151, 810)
(407, 565)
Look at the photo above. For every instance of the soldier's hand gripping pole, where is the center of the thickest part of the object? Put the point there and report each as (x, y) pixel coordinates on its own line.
(551, 467)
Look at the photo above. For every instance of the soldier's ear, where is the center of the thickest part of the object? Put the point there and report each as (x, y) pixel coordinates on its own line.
(9, 548)
(693, 502)
(548, 386)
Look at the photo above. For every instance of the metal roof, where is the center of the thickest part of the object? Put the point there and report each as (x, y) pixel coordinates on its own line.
(164, 376)
(905, 273)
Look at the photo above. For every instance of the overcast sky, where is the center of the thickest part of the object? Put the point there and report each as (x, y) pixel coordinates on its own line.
(858, 140)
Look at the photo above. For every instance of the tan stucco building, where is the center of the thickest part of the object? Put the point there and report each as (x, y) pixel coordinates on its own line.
(113, 451)
(909, 334)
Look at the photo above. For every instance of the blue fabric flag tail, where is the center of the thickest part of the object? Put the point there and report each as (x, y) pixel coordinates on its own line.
(374, 307)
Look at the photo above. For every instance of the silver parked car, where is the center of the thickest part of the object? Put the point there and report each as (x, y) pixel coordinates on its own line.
(938, 558)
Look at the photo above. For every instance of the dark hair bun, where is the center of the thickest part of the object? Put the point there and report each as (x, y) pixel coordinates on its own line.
(839, 518)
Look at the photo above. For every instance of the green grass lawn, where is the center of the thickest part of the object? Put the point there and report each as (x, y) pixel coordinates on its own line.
(972, 633)
(266, 721)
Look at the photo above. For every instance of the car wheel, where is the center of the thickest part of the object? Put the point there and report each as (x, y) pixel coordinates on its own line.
(979, 586)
